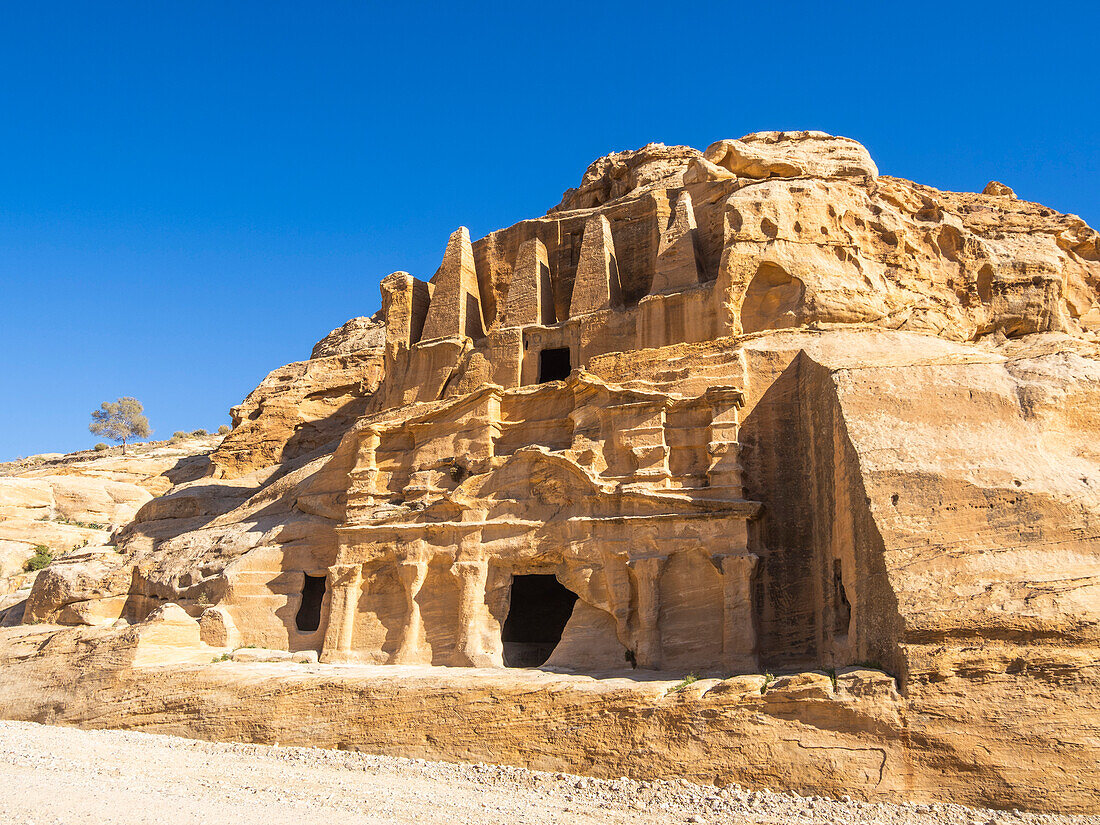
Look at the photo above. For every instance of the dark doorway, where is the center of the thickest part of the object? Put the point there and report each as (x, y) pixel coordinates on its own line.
(309, 613)
(540, 607)
(554, 365)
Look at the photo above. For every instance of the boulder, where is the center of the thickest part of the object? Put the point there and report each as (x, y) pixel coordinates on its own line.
(791, 155)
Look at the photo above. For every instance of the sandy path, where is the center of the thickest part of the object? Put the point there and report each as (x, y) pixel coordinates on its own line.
(63, 775)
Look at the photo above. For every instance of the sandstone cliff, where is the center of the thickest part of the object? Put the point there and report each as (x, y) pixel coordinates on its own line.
(71, 505)
(754, 409)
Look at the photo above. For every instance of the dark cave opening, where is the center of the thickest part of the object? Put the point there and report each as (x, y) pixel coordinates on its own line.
(308, 618)
(554, 364)
(540, 608)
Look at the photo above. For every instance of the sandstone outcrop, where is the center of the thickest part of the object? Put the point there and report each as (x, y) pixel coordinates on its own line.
(302, 407)
(354, 336)
(754, 410)
(71, 505)
(792, 155)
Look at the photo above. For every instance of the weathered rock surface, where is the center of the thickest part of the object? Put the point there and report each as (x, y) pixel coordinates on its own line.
(997, 188)
(852, 732)
(755, 410)
(623, 173)
(71, 505)
(792, 155)
(356, 335)
(302, 407)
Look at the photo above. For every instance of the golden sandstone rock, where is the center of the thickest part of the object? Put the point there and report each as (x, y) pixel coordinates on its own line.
(71, 504)
(758, 410)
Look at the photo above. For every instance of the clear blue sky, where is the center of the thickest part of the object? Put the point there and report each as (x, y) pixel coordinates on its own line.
(193, 193)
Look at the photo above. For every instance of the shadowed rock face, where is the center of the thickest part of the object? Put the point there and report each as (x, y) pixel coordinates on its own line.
(758, 408)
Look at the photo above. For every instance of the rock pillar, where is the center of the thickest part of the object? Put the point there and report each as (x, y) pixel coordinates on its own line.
(530, 297)
(455, 309)
(404, 306)
(647, 634)
(677, 260)
(738, 623)
(473, 616)
(413, 571)
(346, 581)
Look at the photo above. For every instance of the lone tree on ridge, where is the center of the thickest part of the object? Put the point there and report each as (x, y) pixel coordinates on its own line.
(120, 421)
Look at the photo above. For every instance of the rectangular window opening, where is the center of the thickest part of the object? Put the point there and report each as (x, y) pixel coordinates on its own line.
(554, 365)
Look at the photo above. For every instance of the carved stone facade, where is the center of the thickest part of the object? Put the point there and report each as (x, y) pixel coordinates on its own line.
(642, 429)
(632, 500)
(551, 469)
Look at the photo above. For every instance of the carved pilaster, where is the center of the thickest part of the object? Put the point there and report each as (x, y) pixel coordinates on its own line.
(738, 623)
(473, 615)
(619, 592)
(412, 571)
(724, 470)
(483, 446)
(647, 635)
(366, 466)
(345, 580)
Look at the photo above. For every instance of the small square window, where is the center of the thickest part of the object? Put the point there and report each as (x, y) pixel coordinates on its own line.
(554, 365)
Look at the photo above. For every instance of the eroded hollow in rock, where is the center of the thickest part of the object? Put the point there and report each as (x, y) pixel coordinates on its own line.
(554, 364)
(308, 618)
(772, 300)
(540, 608)
(842, 616)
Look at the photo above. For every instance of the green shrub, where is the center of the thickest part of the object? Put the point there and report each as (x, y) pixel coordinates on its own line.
(691, 678)
(42, 557)
(178, 435)
(100, 447)
(199, 432)
(89, 525)
(223, 429)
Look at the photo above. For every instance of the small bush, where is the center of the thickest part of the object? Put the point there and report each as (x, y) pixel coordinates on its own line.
(199, 432)
(42, 557)
(768, 679)
(457, 470)
(178, 435)
(223, 429)
(100, 447)
(89, 525)
(691, 678)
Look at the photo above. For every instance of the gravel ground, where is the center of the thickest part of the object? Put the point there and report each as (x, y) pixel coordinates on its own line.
(63, 775)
